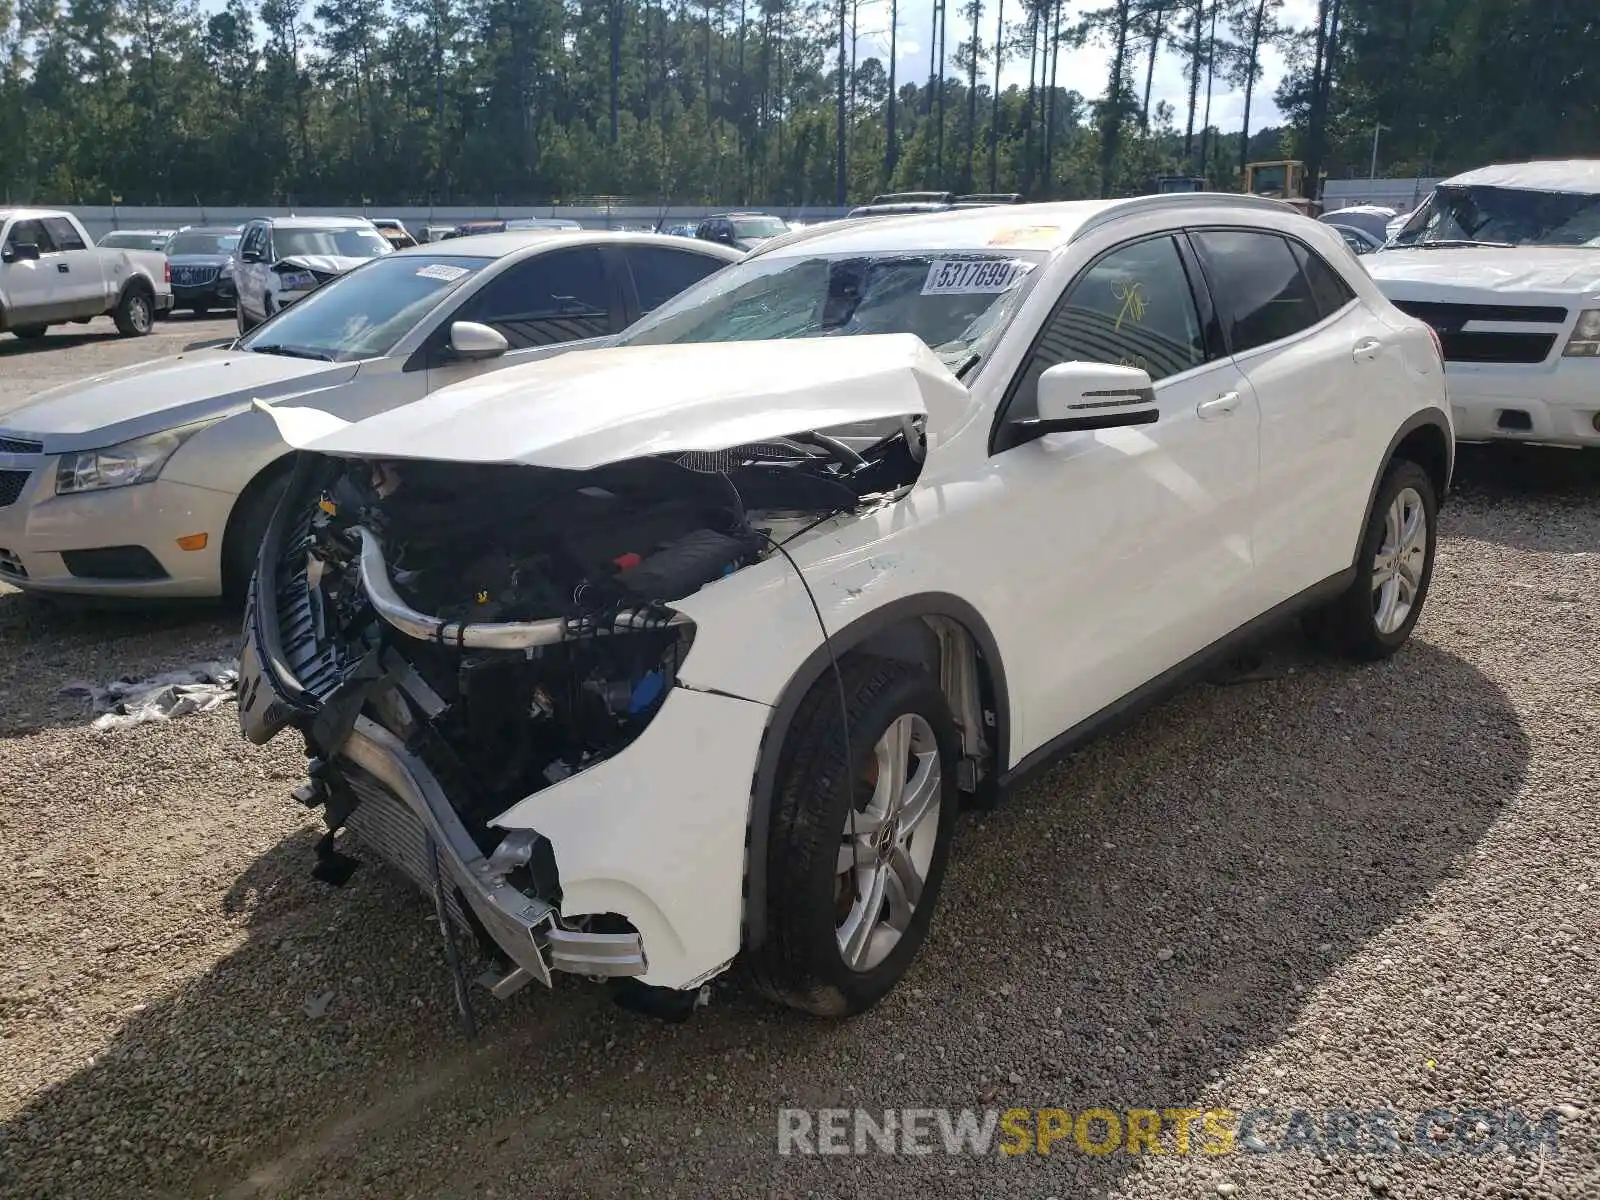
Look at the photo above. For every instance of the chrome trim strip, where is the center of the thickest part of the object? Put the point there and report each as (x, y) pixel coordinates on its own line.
(477, 635)
(608, 954)
(517, 922)
(524, 927)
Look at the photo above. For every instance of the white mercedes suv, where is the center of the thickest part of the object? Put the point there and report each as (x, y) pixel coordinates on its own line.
(687, 649)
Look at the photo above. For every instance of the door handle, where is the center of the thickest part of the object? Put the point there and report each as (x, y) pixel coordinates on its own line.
(63, 268)
(1221, 406)
(1366, 350)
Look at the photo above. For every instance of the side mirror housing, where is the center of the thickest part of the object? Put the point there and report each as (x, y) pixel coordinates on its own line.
(470, 340)
(22, 252)
(1076, 397)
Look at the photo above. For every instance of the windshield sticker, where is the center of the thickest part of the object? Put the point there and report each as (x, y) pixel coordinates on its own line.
(1036, 237)
(968, 277)
(442, 271)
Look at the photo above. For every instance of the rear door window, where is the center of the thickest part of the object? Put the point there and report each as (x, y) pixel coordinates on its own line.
(660, 274)
(1327, 285)
(1259, 289)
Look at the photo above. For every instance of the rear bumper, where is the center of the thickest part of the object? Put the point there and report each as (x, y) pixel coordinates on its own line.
(164, 302)
(1560, 403)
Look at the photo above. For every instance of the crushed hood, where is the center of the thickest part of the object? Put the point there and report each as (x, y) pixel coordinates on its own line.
(326, 264)
(581, 411)
(1526, 272)
(134, 401)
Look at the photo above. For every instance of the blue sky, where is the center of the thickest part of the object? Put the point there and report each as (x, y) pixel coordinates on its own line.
(1084, 70)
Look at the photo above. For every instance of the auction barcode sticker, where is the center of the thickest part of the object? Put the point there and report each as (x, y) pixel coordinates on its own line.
(966, 277)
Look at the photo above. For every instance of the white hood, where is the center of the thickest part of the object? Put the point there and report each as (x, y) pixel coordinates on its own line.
(328, 264)
(1519, 274)
(581, 411)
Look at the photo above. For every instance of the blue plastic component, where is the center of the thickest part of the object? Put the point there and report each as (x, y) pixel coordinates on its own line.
(646, 692)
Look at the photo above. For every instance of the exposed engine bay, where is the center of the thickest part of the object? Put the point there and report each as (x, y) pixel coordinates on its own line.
(525, 611)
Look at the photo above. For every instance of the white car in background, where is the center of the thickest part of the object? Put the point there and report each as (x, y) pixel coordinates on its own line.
(284, 259)
(52, 273)
(1504, 263)
(157, 480)
(687, 647)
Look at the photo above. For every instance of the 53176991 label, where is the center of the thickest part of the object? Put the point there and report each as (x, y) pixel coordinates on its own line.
(973, 276)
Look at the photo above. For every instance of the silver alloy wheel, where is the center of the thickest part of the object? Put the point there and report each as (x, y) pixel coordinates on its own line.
(1397, 567)
(887, 848)
(139, 313)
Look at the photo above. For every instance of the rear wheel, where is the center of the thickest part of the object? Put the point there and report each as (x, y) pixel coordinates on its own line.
(30, 332)
(135, 313)
(1375, 616)
(852, 880)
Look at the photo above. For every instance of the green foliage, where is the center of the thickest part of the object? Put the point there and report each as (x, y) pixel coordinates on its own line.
(511, 101)
(1455, 84)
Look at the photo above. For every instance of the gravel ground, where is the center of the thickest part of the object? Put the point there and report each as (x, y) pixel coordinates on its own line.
(1321, 887)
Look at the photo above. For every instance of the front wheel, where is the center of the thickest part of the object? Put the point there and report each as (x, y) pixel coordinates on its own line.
(852, 879)
(1375, 616)
(135, 313)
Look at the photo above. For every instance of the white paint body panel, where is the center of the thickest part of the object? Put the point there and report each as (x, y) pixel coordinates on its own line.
(657, 834)
(1097, 560)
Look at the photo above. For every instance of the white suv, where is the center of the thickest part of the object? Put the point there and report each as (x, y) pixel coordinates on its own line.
(282, 259)
(1504, 262)
(690, 647)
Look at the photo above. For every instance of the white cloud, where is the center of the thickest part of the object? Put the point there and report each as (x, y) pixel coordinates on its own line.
(1083, 70)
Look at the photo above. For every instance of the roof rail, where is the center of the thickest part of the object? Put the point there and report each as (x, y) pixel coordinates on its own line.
(1138, 205)
(914, 198)
(986, 198)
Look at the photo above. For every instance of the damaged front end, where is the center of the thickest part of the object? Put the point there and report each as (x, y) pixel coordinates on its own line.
(454, 639)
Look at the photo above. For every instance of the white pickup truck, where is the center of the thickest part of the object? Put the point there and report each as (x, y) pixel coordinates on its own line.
(51, 272)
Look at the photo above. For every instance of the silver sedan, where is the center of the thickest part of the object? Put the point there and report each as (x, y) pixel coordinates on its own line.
(159, 480)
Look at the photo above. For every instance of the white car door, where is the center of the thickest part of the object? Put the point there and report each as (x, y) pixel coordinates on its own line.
(28, 285)
(1124, 552)
(80, 280)
(542, 306)
(1307, 350)
(250, 272)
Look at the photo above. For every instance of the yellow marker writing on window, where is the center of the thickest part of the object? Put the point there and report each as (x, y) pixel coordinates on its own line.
(1131, 297)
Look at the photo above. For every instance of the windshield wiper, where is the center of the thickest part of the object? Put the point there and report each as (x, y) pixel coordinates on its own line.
(1455, 244)
(293, 352)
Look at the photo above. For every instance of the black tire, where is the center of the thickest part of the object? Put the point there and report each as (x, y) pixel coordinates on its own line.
(1349, 626)
(247, 528)
(29, 333)
(135, 313)
(800, 962)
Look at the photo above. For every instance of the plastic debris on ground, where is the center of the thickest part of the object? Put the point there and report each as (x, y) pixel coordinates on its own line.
(125, 702)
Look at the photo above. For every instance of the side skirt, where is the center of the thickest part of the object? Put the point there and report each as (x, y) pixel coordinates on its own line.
(1149, 694)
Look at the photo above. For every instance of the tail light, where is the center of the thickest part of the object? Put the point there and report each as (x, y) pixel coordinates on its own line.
(1438, 346)
(166, 272)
